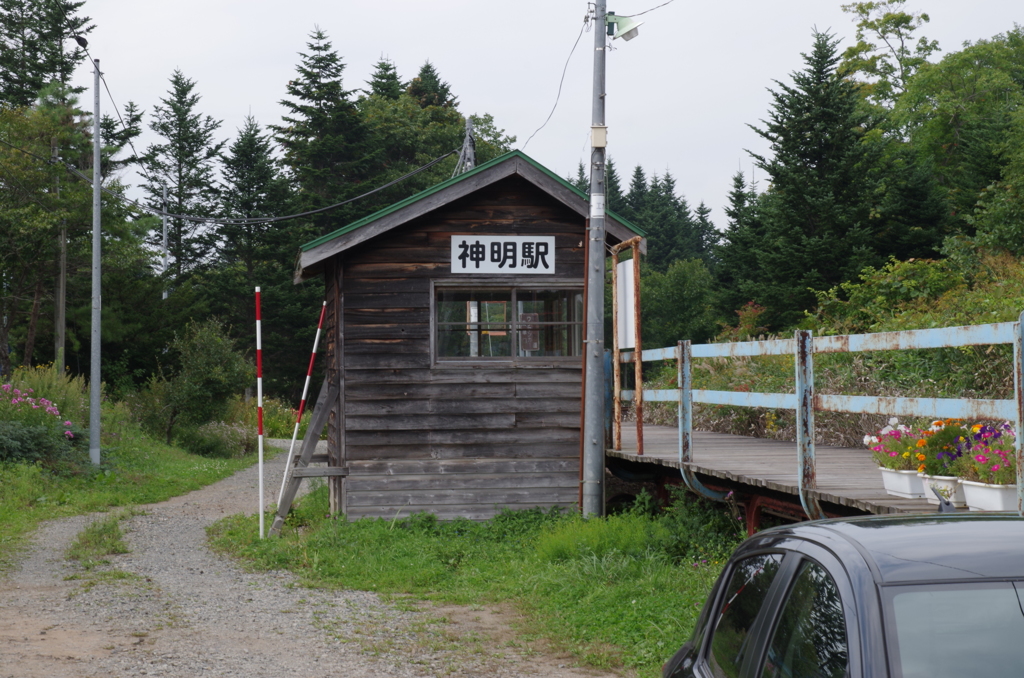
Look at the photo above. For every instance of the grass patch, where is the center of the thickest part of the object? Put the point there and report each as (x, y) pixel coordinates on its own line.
(622, 591)
(100, 539)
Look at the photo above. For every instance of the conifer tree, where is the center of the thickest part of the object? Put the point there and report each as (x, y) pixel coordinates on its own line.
(706, 236)
(581, 181)
(385, 81)
(36, 47)
(634, 200)
(614, 200)
(817, 213)
(326, 144)
(254, 187)
(667, 219)
(738, 263)
(428, 89)
(185, 162)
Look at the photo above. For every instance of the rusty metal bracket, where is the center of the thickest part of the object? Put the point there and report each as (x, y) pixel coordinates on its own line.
(805, 423)
(685, 423)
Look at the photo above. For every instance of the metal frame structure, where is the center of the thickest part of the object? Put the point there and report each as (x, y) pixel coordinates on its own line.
(805, 402)
(634, 245)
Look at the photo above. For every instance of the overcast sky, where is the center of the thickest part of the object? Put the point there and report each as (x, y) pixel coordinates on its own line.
(680, 95)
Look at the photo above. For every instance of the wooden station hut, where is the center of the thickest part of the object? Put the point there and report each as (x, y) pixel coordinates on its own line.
(454, 335)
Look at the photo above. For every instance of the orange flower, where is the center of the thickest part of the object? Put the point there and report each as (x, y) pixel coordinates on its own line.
(920, 469)
(921, 457)
(922, 442)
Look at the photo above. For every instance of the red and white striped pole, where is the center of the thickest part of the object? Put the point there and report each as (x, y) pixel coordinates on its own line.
(302, 403)
(259, 401)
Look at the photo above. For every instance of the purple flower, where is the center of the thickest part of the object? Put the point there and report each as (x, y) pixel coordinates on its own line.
(67, 423)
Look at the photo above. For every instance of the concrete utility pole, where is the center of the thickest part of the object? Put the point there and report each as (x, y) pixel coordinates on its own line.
(95, 382)
(164, 219)
(62, 277)
(593, 404)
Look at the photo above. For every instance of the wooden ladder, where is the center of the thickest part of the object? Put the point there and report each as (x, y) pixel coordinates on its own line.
(300, 467)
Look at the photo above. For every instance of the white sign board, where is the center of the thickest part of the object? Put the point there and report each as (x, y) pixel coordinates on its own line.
(508, 254)
(625, 323)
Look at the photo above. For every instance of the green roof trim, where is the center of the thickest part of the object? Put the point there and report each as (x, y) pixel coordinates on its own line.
(394, 207)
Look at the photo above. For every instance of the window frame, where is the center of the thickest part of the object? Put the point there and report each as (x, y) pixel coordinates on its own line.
(794, 554)
(513, 285)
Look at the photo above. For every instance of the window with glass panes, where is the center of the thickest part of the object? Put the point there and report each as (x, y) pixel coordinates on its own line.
(508, 323)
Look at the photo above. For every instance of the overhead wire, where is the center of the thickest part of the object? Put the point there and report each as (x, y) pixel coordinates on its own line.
(586, 24)
(110, 95)
(630, 16)
(228, 222)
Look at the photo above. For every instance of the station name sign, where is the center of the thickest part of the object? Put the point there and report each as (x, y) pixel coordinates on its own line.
(509, 254)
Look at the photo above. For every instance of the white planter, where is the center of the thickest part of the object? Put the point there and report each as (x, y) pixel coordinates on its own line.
(905, 484)
(986, 497)
(948, 486)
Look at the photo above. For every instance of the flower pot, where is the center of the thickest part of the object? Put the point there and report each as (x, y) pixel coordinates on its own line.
(986, 497)
(905, 484)
(948, 486)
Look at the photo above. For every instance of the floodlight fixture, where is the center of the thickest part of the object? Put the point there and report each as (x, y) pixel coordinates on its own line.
(622, 26)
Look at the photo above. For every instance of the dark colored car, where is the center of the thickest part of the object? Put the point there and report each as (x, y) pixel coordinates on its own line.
(928, 596)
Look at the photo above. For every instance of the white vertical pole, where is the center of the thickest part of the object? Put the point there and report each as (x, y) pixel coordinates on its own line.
(95, 379)
(164, 219)
(259, 403)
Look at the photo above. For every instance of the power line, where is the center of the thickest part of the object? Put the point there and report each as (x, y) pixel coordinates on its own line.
(648, 10)
(230, 222)
(586, 23)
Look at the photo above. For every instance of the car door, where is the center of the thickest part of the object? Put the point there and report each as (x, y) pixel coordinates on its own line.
(731, 630)
(809, 636)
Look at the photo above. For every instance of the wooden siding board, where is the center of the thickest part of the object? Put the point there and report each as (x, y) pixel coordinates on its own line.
(519, 436)
(379, 391)
(492, 481)
(566, 419)
(489, 452)
(430, 422)
(387, 316)
(420, 467)
(498, 372)
(455, 403)
(486, 497)
(450, 512)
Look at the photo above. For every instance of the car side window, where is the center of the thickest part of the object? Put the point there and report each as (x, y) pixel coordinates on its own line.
(748, 587)
(809, 638)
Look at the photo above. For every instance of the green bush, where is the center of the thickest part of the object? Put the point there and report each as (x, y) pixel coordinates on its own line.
(218, 439)
(23, 442)
(278, 417)
(210, 372)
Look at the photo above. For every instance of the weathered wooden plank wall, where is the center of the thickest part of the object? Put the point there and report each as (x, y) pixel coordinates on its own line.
(456, 440)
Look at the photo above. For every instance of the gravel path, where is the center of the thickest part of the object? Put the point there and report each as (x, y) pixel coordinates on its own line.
(173, 608)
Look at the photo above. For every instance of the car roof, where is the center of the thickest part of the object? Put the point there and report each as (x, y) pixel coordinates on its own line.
(928, 547)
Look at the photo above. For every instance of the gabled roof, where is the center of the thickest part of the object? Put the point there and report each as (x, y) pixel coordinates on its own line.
(313, 253)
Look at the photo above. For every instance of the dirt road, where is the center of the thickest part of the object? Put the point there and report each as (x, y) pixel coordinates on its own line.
(173, 608)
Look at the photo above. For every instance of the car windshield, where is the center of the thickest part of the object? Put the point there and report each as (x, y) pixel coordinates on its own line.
(955, 630)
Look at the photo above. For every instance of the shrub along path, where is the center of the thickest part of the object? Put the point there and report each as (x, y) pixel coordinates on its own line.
(170, 607)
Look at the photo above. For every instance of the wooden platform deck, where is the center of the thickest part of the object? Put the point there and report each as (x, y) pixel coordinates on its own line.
(846, 476)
